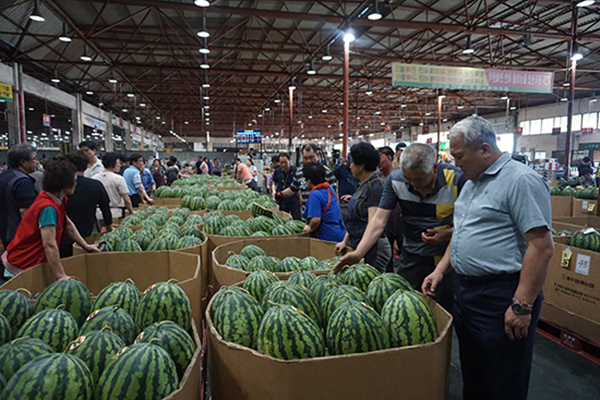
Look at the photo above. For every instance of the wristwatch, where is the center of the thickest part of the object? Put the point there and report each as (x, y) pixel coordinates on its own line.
(520, 307)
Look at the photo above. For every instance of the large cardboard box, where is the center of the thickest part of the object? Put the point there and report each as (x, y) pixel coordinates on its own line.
(190, 386)
(169, 202)
(98, 270)
(407, 373)
(570, 321)
(562, 206)
(274, 246)
(575, 285)
(583, 207)
(590, 221)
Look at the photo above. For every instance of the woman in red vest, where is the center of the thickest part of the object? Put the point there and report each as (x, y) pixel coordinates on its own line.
(41, 230)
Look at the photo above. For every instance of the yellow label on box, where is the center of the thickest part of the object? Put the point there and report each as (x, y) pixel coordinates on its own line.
(591, 207)
(566, 258)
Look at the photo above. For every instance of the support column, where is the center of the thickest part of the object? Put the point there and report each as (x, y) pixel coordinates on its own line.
(77, 121)
(127, 134)
(209, 146)
(108, 142)
(291, 120)
(16, 110)
(346, 127)
(567, 165)
(439, 125)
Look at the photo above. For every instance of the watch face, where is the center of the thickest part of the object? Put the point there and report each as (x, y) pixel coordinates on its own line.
(517, 309)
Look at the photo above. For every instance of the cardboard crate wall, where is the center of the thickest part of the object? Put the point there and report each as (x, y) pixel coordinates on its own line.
(584, 207)
(562, 206)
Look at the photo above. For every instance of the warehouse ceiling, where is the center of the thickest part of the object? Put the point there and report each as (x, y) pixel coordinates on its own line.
(151, 49)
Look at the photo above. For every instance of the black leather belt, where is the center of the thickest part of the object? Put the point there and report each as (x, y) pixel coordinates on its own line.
(486, 279)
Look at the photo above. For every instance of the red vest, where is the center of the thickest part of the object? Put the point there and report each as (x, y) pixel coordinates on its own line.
(26, 249)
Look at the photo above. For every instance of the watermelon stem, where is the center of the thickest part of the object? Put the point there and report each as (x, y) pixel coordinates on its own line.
(272, 303)
(129, 280)
(24, 290)
(15, 341)
(155, 340)
(106, 327)
(170, 281)
(61, 307)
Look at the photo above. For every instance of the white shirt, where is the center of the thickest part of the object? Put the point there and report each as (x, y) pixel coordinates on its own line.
(95, 170)
(115, 186)
(253, 171)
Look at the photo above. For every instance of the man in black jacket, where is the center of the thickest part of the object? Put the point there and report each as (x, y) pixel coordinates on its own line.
(81, 205)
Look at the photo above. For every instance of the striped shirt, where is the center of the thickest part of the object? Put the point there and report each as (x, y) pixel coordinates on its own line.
(436, 210)
(299, 183)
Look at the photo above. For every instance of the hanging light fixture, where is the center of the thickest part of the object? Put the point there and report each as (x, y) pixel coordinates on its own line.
(277, 100)
(369, 91)
(64, 37)
(585, 3)
(375, 15)
(311, 68)
(85, 57)
(576, 56)
(349, 36)
(206, 85)
(36, 15)
(203, 33)
(56, 78)
(204, 64)
(112, 78)
(468, 49)
(202, 3)
(292, 85)
(327, 56)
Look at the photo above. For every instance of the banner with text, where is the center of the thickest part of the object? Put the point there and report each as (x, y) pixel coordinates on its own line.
(6, 92)
(439, 77)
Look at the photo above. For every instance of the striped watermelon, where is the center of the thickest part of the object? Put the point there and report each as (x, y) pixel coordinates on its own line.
(237, 317)
(252, 251)
(260, 263)
(140, 371)
(212, 202)
(258, 210)
(310, 264)
(278, 219)
(220, 295)
(96, 349)
(150, 231)
(281, 230)
(290, 264)
(257, 283)
(355, 327)
(360, 275)
(383, 286)
(56, 328)
(164, 301)
(321, 286)
(142, 238)
(15, 354)
(262, 223)
(328, 263)
(128, 245)
(172, 338)
(260, 234)
(2, 383)
(408, 319)
(159, 244)
(188, 241)
(336, 296)
(275, 263)
(15, 306)
(193, 220)
(5, 330)
(302, 278)
(588, 239)
(230, 219)
(214, 225)
(237, 261)
(116, 318)
(286, 332)
(123, 232)
(71, 293)
(51, 376)
(192, 231)
(296, 226)
(122, 294)
(285, 292)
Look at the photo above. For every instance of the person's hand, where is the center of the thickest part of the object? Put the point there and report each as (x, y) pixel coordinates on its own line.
(151, 201)
(433, 237)
(92, 248)
(109, 228)
(306, 228)
(346, 198)
(516, 326)
(340, 247)
(63, 277)
(349, 259)
(431, 282)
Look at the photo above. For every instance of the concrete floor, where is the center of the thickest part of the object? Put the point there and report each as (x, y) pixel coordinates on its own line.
(557, 374)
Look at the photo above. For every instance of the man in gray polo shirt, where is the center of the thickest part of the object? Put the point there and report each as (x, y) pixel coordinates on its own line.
(500, 249)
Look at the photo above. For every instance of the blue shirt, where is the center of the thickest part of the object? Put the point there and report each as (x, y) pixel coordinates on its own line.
(347, 182)
(147, 180)
(17, 190)
(332, 226)
(133, 180)
(493, 213)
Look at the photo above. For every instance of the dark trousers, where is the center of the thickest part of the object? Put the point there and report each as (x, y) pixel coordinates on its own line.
(292, 208)
(135, 200)
(251, 183)
(493, 366)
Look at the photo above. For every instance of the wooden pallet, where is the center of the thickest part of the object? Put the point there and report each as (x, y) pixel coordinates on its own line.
(569, 340)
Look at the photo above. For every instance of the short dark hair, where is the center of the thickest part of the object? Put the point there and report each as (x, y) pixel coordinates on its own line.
(400, 146)
(310, 146)
(286, 155)
(109, 160)
(365, 154)
(275, 159)
(170, 163)
(250, 161)
(89, 144)
(134, 157)
(19, 152)
(315, 172)
(387, 150)
(59, 174)
(123, 157)
(79, 159)
(172, 158)
(236, 160)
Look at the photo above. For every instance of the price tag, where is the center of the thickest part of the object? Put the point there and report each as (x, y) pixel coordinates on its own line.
(591, 207)
(584, 205)
(566, 258)
(589, 230)
(583, 264)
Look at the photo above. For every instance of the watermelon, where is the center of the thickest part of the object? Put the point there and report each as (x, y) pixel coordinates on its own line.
(51, 376)
(71, 293)
(260, 234)
(192, 231)
(258, 210)
(262, 223)
(15, 306)
(128, 245)
(310, 263)
(564, 233)
(285, 292)
(408, 319)
(5, 330)
(303, 278)
(257, 283)
(280, 230)
(360, 275)
(290, 264)
(286, 332)
(55, 327)
(252, 251)
(260, 263)
(296, 226)
(212, 202)
(237, 317)
(278, 219)
(220, 295)
(193, 220)
(588, 239)
(142, 238)
(140, 371)
(15, 354)
(237, 261)
(188, 241)
(321, 286)
(274, 263)
(230, 219)
(123, 232)
(96, 349)
(355, 327)
(336, 296)
(150, 231)
(115, 318)
(164, 301)
(383, 286)
(121, 294)
(172, 338)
